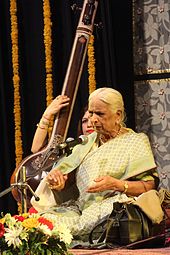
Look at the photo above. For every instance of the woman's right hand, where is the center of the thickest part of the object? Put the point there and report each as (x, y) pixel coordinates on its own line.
(41, 132)
(56, 180)
(56, 105)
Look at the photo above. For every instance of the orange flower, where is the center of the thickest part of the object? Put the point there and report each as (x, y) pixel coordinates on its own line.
(46, 222)
(32, 210)
(19, 218)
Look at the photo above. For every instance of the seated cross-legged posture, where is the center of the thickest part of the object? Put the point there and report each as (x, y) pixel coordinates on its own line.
(115, 164)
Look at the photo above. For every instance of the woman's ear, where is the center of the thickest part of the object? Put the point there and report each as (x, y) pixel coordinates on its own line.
(119, 116)
(119, 113)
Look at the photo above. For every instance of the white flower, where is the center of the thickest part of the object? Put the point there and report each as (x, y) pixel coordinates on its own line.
(17, 233)
(9, 220)
(34, 215)
(14, 236)
(63, 232)
(45, 229)
(60, 229)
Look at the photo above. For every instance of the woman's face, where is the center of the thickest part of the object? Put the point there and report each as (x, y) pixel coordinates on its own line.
(87, 127)
(102, 118)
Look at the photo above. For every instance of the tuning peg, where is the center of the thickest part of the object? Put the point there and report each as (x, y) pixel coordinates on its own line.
(99, 25)
(75, 8)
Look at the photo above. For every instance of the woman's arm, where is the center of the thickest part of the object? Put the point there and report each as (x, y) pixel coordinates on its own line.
(131, 188)
(135, 188)
(42, 128)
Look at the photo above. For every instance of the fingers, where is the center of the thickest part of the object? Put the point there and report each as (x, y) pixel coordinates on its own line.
(94, 187)
(56, 180)
(99, 179)
(62, 99)
(101, 184)
(57, 104)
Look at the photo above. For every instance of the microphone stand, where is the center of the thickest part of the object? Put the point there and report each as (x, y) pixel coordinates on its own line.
(23, 191)
(22, 186)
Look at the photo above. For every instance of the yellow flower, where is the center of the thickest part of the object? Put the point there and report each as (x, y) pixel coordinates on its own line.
(30, 223)
(2, 220)
(25, 215)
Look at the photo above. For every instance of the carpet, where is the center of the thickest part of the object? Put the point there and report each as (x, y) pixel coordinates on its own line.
(156, 251)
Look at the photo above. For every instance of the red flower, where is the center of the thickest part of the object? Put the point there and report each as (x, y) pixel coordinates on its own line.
(19, 218)
(46, 222)
(2, 230)
(32, 210)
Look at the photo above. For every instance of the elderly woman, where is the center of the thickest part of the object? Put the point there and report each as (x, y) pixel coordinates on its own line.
(115, 165)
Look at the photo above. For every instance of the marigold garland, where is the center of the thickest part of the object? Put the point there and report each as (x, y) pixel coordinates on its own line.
(91, 65)
(16, 82)
(48, 53)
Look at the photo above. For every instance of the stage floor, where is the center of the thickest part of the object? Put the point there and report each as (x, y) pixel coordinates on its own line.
(156, 251)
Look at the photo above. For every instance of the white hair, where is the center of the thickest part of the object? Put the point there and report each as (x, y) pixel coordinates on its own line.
(112, 98)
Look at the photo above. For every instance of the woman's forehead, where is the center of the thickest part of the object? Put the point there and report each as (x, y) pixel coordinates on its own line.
(86, 115)
(97, 104)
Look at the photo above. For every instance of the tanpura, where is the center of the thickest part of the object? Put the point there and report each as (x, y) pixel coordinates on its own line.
(43, 160)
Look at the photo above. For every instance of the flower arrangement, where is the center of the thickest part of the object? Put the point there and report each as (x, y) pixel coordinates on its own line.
(33, 234)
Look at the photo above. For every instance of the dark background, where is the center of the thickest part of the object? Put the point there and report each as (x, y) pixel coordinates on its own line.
(114, 68)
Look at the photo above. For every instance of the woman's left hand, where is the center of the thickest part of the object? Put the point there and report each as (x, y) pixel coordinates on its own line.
(56, 180)
(106, 183)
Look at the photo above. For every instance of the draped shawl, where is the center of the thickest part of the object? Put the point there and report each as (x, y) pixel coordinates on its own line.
(124, 157)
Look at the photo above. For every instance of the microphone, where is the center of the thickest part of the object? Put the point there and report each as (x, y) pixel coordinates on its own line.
(71, 142)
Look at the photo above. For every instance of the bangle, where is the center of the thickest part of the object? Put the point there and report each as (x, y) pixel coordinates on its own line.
(126, 186)
(38, 125)
(45, 123)
(46, 118)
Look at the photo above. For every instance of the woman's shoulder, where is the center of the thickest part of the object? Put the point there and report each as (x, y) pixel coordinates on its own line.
(136, 135)
(131, 131)
(137, 142)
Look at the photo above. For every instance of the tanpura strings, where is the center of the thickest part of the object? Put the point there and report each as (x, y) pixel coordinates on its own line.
(16, 82)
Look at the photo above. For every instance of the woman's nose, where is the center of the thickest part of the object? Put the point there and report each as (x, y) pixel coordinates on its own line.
(89, 124)
(93, 118)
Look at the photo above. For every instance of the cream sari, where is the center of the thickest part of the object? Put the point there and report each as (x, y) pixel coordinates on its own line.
(123, 157)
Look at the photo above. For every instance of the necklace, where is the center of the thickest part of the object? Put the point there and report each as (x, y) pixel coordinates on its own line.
(103, 139)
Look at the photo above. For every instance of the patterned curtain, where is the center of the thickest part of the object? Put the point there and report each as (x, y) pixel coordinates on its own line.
(151, 24)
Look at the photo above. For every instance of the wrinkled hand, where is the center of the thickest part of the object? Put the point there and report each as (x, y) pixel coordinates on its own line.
(56, 180)
(104, 183)
(56, 105)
